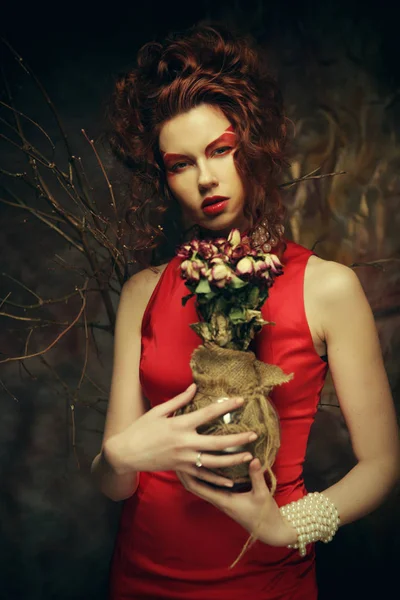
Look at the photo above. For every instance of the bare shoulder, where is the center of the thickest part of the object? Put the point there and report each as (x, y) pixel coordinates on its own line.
(144, 281)
(331, 280)
(337, 292)
(356, 362)
(135, 295)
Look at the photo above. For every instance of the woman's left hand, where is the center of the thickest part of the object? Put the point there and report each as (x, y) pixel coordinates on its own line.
(256, 510)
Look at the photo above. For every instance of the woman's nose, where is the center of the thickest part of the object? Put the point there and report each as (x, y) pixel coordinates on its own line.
(206, 177)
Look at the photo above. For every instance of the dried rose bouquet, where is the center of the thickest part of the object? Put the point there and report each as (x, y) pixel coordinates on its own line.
(231, 281)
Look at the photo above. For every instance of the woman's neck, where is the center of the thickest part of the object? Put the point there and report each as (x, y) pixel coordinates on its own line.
(196, 230)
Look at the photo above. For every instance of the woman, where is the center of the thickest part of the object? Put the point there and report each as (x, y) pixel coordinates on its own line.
(202, 128)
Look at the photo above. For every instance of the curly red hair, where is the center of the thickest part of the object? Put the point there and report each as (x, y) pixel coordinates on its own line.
(204, 64)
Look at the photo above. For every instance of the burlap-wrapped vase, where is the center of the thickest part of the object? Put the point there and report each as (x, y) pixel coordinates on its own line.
(222, 372)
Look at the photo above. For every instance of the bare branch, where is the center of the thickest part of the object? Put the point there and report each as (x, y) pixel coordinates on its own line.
(25, 149)
(13, 358)
(375, 263)
(44, 302)
(70, 394)
(27, 341)
(100, 162)
(3, 385)
(4, 301)
(21, 114)
(306, 177)
(35, 319)
(95, 385)
(44, 220)
(113, 202)
(47, 98)
(23, 286)
(86, 348)
(96, 270)
(15, 175)
(72, 407)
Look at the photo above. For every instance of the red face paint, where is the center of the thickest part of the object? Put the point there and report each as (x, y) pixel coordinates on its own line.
(170, 159)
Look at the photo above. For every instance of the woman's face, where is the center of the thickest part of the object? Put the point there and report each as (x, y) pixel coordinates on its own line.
(197, 148)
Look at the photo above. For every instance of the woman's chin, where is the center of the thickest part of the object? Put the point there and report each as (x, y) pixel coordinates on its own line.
(222, 225)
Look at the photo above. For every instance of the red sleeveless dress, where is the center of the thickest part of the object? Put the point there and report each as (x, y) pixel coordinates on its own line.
(172, 544)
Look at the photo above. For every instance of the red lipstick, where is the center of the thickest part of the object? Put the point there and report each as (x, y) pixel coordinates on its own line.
(212, 200)
(213, 205)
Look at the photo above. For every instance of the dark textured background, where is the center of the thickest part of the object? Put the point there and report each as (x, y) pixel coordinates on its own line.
(57, 532)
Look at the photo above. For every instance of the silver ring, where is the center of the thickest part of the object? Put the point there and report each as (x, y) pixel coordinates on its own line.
(198, 462)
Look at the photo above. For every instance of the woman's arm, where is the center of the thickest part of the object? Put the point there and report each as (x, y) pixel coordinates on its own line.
(126, 402)
(363, 391)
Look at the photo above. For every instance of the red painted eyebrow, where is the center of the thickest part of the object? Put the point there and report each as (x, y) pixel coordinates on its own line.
(225, 136)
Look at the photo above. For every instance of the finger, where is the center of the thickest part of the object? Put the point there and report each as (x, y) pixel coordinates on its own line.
(181, 477)
(257, 477)
(209, 443)
(169, 407)
(218, 497)
(211, 412)
(212, 461)
(207, 476)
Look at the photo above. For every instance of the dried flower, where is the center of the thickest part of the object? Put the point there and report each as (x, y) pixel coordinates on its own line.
(234, 238)
(207, 250)
(220, 275)
(185, 251)
(231, 281)
(191, 269)
(245, 266)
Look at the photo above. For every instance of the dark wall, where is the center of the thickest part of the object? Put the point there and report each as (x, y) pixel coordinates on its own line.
(57, 531)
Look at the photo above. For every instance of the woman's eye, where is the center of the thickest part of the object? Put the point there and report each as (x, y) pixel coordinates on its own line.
(222, 149)
(178, 166)
(219, 151)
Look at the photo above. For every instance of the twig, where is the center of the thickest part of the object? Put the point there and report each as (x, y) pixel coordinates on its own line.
(22, 285)
(27, 341)
(26, 144)
(46, 221)
(95, 268)
(5, 300)
(81, 271)
(100, 162)
(290, 183)
(54, 341)
(64, 215)
(23, 366)
(15, 175)
(21, 114)
(47, 98)
(54, 372)
(69, 218)
(95, 385)
(72, 407)
(375, 263)
(44, 302)
(92, 325)
(35, 319)
(86, 349)
(42, 160)
(8, 391)
(90, 187)
(113, 202)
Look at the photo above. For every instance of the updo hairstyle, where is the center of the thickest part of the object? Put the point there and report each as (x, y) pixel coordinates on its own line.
(204, 64)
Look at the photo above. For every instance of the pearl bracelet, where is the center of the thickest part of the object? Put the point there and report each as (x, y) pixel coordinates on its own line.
(314, 517)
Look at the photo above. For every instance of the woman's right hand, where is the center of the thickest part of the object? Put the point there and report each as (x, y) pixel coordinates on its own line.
(158, 441)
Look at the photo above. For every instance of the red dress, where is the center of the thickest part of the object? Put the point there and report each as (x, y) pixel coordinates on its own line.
(172, 544)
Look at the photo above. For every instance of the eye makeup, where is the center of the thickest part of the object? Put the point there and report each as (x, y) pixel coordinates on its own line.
(170, 159)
